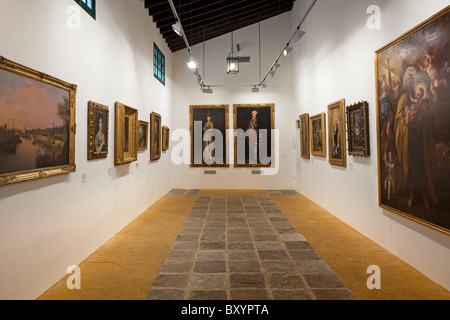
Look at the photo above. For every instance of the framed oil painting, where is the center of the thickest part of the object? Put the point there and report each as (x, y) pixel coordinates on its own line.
(165, 138)
(37, 124)
(143, 135)
(304, 137)
(98, 129)
(253, 125)
(126, 134)
(155, 136)
(358, 130)
(337, 142)
(318, 134)
(209, 126)
(413, 123)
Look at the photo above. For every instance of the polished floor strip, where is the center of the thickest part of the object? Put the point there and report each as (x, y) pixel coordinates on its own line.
(242, 247)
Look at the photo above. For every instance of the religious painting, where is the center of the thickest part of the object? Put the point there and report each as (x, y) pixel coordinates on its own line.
(165, 138)
(209, 126)
(254, 126)
(337, 143)
(37, 124)
(98, 128)
(304, 136)
(126, 138)
(413, 123)
(358, 130)
(155, 136)
(318, 134)
(143, 135)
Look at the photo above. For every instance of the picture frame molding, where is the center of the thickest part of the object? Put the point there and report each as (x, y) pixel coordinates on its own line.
(120, 155)
(352, 149)
(340, 105)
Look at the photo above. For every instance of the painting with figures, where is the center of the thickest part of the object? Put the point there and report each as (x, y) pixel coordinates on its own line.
(413, 118)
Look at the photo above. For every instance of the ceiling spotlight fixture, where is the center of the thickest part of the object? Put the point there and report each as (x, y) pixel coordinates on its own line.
(287, 51)
(232, 60)
(264, 84)
(298, 35)
(255, 89)
(177, 28)
(209, 90)
(192, 65)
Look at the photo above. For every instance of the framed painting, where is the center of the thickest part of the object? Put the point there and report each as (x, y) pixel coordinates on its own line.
(165, 138)
(317, 131)
(209, 126)
(143, 135)
(37, 124)
(337, 142)
(358, 130)
(413, 123)
(126, 134)
(304, 137)
(155, 136)
(98, 130)
(253, 126)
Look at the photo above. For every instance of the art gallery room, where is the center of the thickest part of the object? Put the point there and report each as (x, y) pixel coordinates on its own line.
(194, 150)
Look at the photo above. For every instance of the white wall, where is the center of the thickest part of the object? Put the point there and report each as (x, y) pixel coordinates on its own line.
(275, 33)
(335, 60)
(47, 225)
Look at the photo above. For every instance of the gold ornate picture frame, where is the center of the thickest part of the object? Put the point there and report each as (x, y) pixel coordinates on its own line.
(206, 122)
(165, 138)
(126, 134)
(358, 129)
(254, 126)
(413, 128)
(155, 136)
(305, 151)
(337, 133)
(317, 131)
(143, 135)
(37, 124)
(98, 131)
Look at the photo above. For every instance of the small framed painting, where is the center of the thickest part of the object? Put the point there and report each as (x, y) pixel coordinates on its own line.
(358, 130)
(317, 131)
(126, 134)
(155, 136)
(98, 131)
(304, 137)
(143, 135)
(337, 143)
(165, 138)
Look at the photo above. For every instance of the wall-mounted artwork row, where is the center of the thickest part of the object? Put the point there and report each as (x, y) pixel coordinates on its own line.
(37, 124)
(413, 120)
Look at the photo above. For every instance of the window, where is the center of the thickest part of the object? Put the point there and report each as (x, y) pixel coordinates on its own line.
(159, 65)
(88, 6)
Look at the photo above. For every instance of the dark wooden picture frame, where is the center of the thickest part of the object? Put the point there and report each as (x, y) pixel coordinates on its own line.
(358, 129)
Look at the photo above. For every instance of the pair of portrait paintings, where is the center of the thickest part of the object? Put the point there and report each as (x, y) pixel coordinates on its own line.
(131, 134)
(253, 128)
(37, 127)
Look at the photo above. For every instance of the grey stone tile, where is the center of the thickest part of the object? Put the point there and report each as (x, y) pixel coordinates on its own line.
(265, 237)
(176, 266)
(273, 255)
(297, 245)
(242, 255)
(216, 245)
(213, 237)
(181, 255)
(214, 295)
(239, 237)
(268, 245)
(210, 267)
(291, 295)
(304, 255)
(244, 266)
(240, 245)
(313, 266)
(249, 295)
(218, 255)
(171, 281)
(285, 281)
(246, 280)
(279, 266)
(188, 237)
(165, 294)
(292, 237)
(208, 281)
(239, 231)
(323, 280)
(185, 245)
(333, 294)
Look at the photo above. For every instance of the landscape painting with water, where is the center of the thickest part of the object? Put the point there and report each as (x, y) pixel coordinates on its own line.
(35, 125)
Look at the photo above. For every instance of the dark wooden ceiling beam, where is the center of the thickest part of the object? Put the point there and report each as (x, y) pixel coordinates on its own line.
(215, 23)
(200, 37)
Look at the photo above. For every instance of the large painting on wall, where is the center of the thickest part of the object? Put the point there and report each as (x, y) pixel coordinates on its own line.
(209, 125)
(413, 120)
(253, 125)
(37, 124)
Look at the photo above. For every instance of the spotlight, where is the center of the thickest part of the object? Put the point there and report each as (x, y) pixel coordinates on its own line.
(177, 28)
(287, 50)
(255, 89)
(298, 35)
(209, 90)
(192, 65)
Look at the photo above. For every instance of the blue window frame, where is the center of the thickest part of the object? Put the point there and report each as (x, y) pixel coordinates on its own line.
(159, 65)
(88, 6)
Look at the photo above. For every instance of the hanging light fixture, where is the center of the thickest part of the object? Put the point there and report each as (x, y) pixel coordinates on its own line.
(232, 60)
